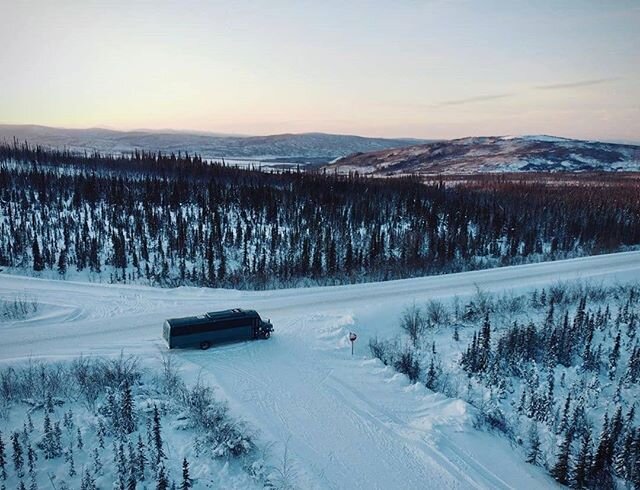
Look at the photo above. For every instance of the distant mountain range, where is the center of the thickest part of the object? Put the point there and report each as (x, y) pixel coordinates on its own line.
(285, 148)
(495, 154)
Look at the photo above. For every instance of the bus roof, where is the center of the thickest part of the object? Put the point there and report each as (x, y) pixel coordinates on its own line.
(212, 317)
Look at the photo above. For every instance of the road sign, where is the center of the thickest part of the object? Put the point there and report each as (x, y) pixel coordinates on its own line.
(352, 339)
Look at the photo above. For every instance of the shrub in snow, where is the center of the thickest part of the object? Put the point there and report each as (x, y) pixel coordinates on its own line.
(413, 322)
(407, 363)
(18, 308)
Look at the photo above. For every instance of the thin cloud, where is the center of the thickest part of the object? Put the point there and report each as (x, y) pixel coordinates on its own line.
(580, 83)
(473, 100)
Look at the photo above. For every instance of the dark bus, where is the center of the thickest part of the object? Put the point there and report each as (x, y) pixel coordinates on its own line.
(216, 327)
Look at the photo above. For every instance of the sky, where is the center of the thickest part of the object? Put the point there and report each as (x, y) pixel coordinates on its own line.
(426, 69)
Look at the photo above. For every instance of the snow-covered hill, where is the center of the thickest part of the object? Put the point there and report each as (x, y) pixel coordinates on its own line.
(350, 422)
(286, 148)
(495, 154)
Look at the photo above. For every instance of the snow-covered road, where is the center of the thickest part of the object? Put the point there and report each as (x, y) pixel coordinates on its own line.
(350, 422)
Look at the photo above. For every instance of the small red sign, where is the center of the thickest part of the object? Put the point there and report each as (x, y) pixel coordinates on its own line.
(352, 336)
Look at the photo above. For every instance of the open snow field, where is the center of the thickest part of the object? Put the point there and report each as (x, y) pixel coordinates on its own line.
(349, 422)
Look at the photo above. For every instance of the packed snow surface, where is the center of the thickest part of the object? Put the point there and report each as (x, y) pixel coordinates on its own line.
(350, 422)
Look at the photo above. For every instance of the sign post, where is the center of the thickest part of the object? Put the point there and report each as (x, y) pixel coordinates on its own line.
(352, 339)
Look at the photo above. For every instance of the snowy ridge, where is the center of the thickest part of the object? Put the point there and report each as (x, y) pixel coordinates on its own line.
(494, 154)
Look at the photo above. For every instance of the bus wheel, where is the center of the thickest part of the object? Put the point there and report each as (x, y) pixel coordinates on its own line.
(205, 345)
(266, 335)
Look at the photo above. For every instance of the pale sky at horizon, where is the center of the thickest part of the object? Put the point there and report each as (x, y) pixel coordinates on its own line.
(428, 69)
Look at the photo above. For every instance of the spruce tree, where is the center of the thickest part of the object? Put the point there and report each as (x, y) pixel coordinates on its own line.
(432, 376)
(47, 438)
(88, 482)
(187, 482)
(18, 460)
(141, 458)
(600, 463)
(38, 261)
(32, 457)
(101, 432)
(485, 343)
(3, 459)
(560, 470)
(581, 468)
(564, 420)
(533, 454)
(127, 418)
(72, 465)
(614, 357)
(157, 437)
(162, 482)
(79, 440)
(57, 439)
(131, 481)
(623, 455)
(96, 462)
(62, 262)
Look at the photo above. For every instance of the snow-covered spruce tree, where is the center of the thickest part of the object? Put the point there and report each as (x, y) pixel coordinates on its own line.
(18, 460)
(32, 457)
(101, 432)
(563, 426)
(599, 471)
(432, 376)
(614, 357)
(111, 410)
(127, 410)
(141, 459)
(38, 261)
(48, 402)
(88, 482)
(57, 439)
(533, 452)
(121, 467)
(3, 459)
(158, 450)
(186, 482)
(72, 466)
(62, 262)
(623, 456)
(616, 429)
(162, 481)
(24, 435)
(67, 420)
(96, 462)
(560, 470)
(131, 480)
(79, 441)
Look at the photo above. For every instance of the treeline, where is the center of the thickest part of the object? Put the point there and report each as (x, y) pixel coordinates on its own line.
(176, 220)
